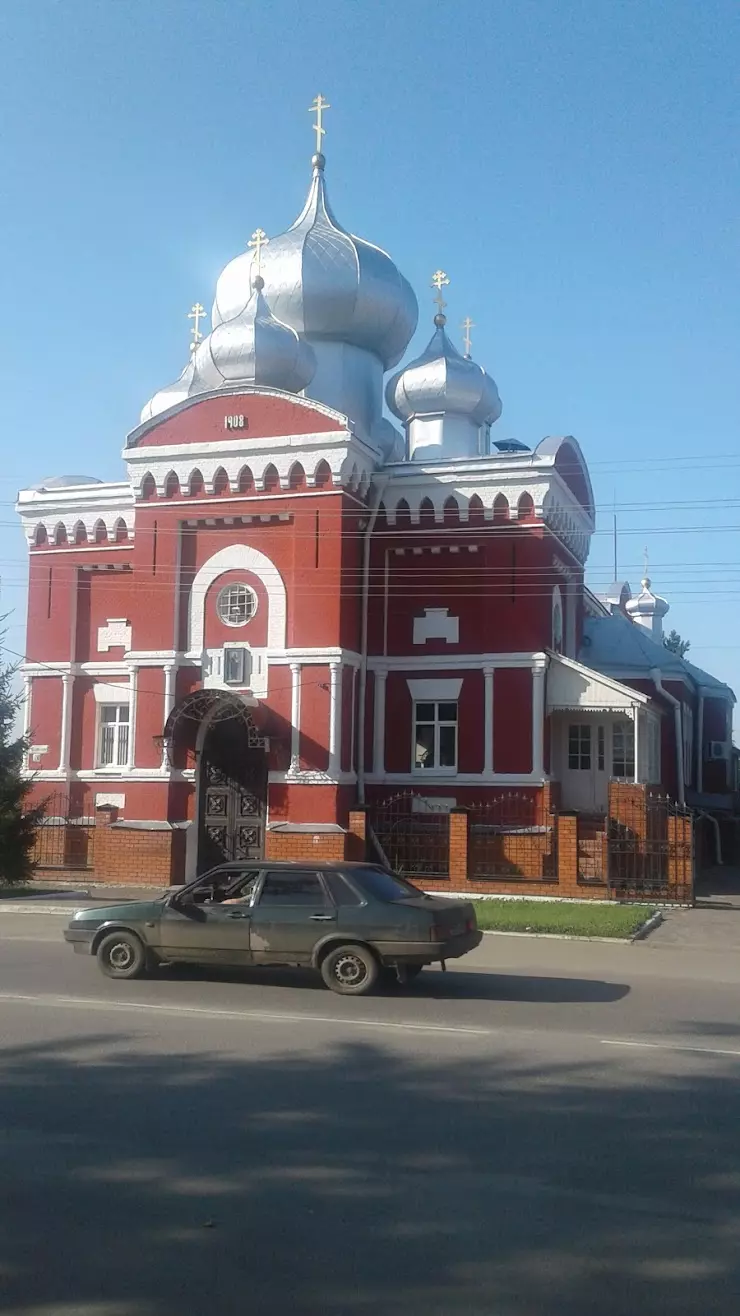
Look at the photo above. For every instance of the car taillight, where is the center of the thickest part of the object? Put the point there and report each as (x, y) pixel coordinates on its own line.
(471, 925)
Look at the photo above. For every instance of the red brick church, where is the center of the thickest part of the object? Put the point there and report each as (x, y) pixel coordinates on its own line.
(297, 602)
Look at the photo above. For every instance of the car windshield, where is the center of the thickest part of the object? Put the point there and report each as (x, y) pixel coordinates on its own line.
(381, 885)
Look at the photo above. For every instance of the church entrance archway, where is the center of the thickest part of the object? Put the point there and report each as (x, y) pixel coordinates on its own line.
(213, 731)
(232, 795)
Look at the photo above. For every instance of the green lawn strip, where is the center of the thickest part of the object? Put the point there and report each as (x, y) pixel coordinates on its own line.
(15, 892)
(573, 920)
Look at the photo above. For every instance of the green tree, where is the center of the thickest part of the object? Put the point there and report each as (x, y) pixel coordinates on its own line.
(17, 822)
(674, 642)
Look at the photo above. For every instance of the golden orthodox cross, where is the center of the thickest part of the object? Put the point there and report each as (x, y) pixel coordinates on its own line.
(318, 107)
(258, 240)
(467, 325)
(196, 313)
(439, 281)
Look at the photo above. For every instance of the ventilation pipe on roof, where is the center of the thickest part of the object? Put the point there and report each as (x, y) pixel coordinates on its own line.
(657, 678)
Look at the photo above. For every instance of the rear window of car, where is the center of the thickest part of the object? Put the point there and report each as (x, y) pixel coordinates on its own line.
(382, 885)
(341, 891)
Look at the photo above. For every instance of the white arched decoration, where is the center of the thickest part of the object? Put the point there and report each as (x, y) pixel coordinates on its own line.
(238, 557)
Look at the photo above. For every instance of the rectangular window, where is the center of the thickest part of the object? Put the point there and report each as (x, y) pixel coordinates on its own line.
(113, 735)
(435, 735)
(688, 743)
(294, 888)
(600, 749)
(579, 747)
(623, 751)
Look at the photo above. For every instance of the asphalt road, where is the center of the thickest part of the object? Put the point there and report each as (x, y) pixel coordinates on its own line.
(550, 1128)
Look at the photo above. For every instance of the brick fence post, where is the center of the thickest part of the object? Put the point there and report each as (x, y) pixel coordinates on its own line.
(679, 866)
(105, 816)
(458, 846)
(567, 869)
(356, 842)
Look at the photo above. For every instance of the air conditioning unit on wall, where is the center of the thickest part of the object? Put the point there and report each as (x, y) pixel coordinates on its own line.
(719, 749)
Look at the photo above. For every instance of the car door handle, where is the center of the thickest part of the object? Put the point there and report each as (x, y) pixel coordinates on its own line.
(323, 918)
(238, 914)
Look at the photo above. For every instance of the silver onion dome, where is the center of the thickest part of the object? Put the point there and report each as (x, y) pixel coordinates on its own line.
(327, 284)
(255, 348)
(441, 380)
(171, 394)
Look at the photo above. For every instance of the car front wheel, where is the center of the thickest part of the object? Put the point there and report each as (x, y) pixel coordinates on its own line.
(121, 955)
(350, 970)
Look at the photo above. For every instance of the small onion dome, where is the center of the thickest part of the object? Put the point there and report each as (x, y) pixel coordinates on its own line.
(327, 284)
(172, 394)
(441, 380)
(255, 348)
(647, 605)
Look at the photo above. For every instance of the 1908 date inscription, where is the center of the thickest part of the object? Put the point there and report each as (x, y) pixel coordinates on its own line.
(236, 423)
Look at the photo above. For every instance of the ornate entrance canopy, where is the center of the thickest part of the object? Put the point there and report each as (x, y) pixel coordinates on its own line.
(216, 706)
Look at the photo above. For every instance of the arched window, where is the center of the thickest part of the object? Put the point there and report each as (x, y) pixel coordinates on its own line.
(220, 482)
(557, 620)
(148, 488)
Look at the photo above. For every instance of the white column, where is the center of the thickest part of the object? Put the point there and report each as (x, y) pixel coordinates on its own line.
(379, 723)
(66, 730)
(636, 721)
(26, 716)
(169, 703)
(295, 717)
(335, 719)
(132, 686)
(538, 719)
(488, 722)
(353, 722)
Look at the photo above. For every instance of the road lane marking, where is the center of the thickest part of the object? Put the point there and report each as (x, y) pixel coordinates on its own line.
(669, 1046)
(254, 1016)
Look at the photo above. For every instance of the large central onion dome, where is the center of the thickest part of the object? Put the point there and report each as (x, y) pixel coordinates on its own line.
(441, 380)
(326, 284)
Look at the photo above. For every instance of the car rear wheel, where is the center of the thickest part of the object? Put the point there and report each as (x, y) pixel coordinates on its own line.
(122, 955)
(350, 970)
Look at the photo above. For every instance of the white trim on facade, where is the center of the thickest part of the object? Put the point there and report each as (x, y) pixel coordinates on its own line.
(238, 557)
(437, 688)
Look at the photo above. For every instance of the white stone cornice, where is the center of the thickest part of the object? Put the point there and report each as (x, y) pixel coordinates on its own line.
(88, 505)
(350, 460)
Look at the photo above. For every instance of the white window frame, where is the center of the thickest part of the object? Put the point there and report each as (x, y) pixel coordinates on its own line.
(629, 726)
(437, 723)
(121, 737)
(557, 611)
(225, 591)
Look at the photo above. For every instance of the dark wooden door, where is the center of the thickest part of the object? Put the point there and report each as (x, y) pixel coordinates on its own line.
(232, 799)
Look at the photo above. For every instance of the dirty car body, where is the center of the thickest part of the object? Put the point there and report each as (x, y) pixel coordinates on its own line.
(351, 922)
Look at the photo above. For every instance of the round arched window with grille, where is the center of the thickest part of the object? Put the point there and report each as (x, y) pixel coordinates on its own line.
(236, 604)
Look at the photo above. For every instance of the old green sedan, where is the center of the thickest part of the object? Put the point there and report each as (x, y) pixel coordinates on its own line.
(350, 922)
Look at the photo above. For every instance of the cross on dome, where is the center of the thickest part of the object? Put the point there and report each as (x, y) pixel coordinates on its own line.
(258, 240)
(196, 313)
(466, 326)
(317, 108)
(440, 281)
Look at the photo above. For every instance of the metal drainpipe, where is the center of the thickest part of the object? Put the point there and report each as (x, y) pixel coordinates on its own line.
(363, 644)
(657, 678)
(700, 744)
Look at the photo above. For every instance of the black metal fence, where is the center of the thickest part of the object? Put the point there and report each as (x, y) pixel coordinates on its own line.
(650, 847)
(63, 842)
(512, 836)
(410, 836)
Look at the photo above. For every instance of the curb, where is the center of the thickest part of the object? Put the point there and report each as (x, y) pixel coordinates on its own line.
(557, 936)
(648, 927)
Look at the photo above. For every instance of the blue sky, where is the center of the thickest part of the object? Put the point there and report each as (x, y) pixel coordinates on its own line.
(572, 164)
